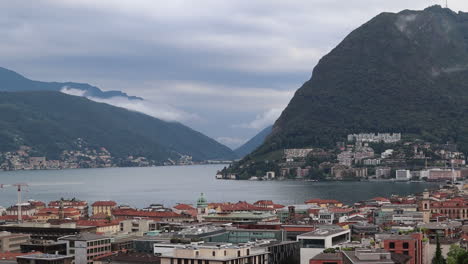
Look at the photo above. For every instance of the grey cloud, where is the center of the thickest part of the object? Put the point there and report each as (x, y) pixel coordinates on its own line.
(230, 63)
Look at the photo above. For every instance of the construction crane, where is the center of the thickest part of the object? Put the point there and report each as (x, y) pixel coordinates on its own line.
(19, 186)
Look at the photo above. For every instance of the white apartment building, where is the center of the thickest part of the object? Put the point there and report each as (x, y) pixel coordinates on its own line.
(313, 243)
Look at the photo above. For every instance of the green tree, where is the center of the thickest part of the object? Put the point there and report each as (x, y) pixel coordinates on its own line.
(457, 255)
(438, 258)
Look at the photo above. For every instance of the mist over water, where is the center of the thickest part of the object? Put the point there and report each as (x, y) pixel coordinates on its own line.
(183, 184)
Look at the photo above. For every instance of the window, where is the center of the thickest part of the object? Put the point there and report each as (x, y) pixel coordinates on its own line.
(225, 252)
(406, 252)
(405, 245)
(391, 245)
(248, 252)
(238, 253)
(214, 253)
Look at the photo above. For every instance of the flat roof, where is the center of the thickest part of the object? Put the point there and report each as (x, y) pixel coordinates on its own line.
(324, 233)
(83, 237)
(45, 256)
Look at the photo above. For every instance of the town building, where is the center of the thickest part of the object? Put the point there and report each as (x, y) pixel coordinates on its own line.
(208, 253)
(403, 175)
(47, 231)
(42, 258)
(241, 217)
(103, 207)
(11, 242)
(373, 256)
(45, 246)
(86, 246)
(81, 206)
(313, 243)
(410, 245)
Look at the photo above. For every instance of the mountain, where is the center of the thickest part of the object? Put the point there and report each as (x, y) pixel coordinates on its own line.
(51, 122)
(400, 72)
(253, 143)
(11, 81)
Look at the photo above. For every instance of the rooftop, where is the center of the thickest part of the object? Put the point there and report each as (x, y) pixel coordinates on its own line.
(83, 237)
(324, 232)
(45, 256)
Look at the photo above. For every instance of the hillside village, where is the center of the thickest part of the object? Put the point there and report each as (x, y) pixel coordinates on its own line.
(365, 156)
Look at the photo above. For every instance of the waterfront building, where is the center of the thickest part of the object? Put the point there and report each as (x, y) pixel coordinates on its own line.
(313, 243)
(383, 172)
(86, 246)
(42, 258)
(324, 203)
(103, 207)
(11, 242)
(403, 175)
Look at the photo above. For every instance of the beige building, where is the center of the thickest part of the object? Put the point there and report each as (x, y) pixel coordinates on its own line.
(103, 207)
(11, 242)
(215, 253)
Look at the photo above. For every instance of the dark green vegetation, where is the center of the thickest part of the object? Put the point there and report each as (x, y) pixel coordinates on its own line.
(13, 82)
(51, 121)
(405, 72)
(253, 143)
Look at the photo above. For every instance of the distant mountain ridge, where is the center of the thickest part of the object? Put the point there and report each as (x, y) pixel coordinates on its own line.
(51, 122)
(403, 72)
(11, 81)
(254, 142)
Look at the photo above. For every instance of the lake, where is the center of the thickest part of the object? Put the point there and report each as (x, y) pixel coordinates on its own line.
(183, 184)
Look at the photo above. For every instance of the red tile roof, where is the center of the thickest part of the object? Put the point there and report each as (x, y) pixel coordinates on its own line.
(380, 199)
(322, 201)
(97, 223)
(104, 203)
(129, 213)
(183, 207)
(264, 202)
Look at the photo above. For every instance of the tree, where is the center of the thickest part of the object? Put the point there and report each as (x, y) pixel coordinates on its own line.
(457, 255)
(438, 258)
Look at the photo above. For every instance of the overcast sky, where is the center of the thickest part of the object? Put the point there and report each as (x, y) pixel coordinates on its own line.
(226, 68)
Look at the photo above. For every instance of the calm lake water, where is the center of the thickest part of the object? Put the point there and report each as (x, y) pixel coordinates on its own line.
(183, 184)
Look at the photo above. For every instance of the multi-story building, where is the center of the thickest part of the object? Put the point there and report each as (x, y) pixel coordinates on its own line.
(81, 206)
(241, 217)
(42, 258)
(455, 209)
(45, 246)
(373, 256)
(86, 246)
(403, 175)
(411, 245)
(47, 231)
(137, 226)
(11, 242)
(215, 253)
(103, 207)
(313, 243)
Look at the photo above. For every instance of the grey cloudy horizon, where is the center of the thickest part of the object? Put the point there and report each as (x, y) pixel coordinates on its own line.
(224, 68)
